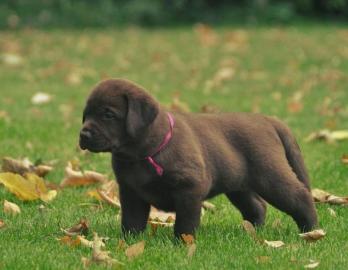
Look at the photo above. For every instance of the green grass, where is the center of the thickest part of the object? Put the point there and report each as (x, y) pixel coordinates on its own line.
(311, 60)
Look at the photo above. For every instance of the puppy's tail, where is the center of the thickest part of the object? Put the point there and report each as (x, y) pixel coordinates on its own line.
(292, 151)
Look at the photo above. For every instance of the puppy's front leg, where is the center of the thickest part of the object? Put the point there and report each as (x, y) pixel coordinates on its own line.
(188, 213)
(135, 211)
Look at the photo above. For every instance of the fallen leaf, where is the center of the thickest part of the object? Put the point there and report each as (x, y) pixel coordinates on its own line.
(24, 166)
(274, 244)
(208, 206)
(320, 195)
(2, 224)
(99, 255)
(112, 201)
(135, 250)
(313, 235)
(84, 241)
(30, 187)
(191, 249)
(11, 59)
(69, 241)
(328, 136)
(11, 208)
(295, 106)
(188, 239)
(161, 216)
(178, 105)
(77, 178)
(250, 229)
(344, 159)
(333, 199)
(312, 264)
(206, 34)
(41, 98)
(78, 229)
(326, 197)
(207, 108)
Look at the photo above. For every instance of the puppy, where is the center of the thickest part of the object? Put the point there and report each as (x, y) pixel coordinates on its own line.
(174, 161)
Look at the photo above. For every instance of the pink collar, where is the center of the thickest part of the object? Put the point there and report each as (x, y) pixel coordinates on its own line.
(167, 138)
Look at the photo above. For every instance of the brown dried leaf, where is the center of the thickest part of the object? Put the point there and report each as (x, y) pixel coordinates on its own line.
(2, 224)
(188, 239)
(11, 208)
(206, 34)
(250, 229)
(78, 229)
(320, 195)
(274, 244)
(24, 166)
(99, 255)
(135, 250)
(313, 235)
(69, 241)
(121, 245)
(77, 178)
(344, 159)
(161, 216)
(112, 201)
(85, 242)
(333, 199)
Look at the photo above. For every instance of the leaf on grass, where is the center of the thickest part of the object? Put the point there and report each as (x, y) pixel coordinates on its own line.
(250, 229)
(31, 187)
(312, 265)
(24, 166)
(313, 236)
(75, 178)
(80, 228)
(85, 242)
(108, 192)
(274, 244)
(114, 201)
(98, 255)
(69, 241)
(11, 208)
(178, 105)
(191, 249)
(121, 245)
(2, 224)
(41, 98)
(208, 206)
(326, 197)
(320, 195)
(11, 59)
(188, 239)
(344, 159)
(135, 250)
(328, 136)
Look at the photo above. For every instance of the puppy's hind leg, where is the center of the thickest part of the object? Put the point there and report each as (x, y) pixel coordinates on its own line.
(251, 206)
(281, 188)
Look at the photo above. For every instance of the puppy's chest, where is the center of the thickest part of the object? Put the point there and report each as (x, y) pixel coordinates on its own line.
(149, 186)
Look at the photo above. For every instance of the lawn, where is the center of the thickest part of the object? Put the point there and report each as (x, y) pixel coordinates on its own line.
(296, 73)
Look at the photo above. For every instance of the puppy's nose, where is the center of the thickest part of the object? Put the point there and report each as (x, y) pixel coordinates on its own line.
(85, 134)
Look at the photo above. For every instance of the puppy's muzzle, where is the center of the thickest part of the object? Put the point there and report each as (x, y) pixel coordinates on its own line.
(85, 138)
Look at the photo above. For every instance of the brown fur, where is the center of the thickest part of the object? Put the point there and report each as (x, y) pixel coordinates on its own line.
(250, 158)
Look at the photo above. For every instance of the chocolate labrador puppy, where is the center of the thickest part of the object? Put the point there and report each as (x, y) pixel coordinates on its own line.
(174, 161)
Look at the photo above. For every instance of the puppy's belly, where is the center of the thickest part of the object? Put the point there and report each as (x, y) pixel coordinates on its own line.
(158, 196)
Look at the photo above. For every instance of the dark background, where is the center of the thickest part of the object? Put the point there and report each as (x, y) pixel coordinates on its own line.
(89, 13)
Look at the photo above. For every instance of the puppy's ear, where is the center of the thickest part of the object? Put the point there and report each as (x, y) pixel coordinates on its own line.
(142, 111)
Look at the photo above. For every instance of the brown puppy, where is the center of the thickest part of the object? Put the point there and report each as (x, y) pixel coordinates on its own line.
(248, 157)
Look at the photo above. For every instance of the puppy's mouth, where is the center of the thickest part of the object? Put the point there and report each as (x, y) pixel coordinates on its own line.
(95, 146)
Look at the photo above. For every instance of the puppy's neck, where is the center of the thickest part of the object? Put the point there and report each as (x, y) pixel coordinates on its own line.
(148, 143)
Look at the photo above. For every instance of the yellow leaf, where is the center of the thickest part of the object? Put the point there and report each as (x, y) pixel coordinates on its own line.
(30, 188)
(18, 185)
(2, 224)
(188, 239)
(11, 208)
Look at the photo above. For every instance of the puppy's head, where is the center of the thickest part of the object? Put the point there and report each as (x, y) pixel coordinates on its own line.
(118, 112)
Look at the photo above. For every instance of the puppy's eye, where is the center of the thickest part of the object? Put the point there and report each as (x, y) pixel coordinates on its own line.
(109, 115)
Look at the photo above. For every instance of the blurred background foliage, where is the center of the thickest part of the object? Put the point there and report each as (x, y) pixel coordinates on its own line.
(89, 13)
